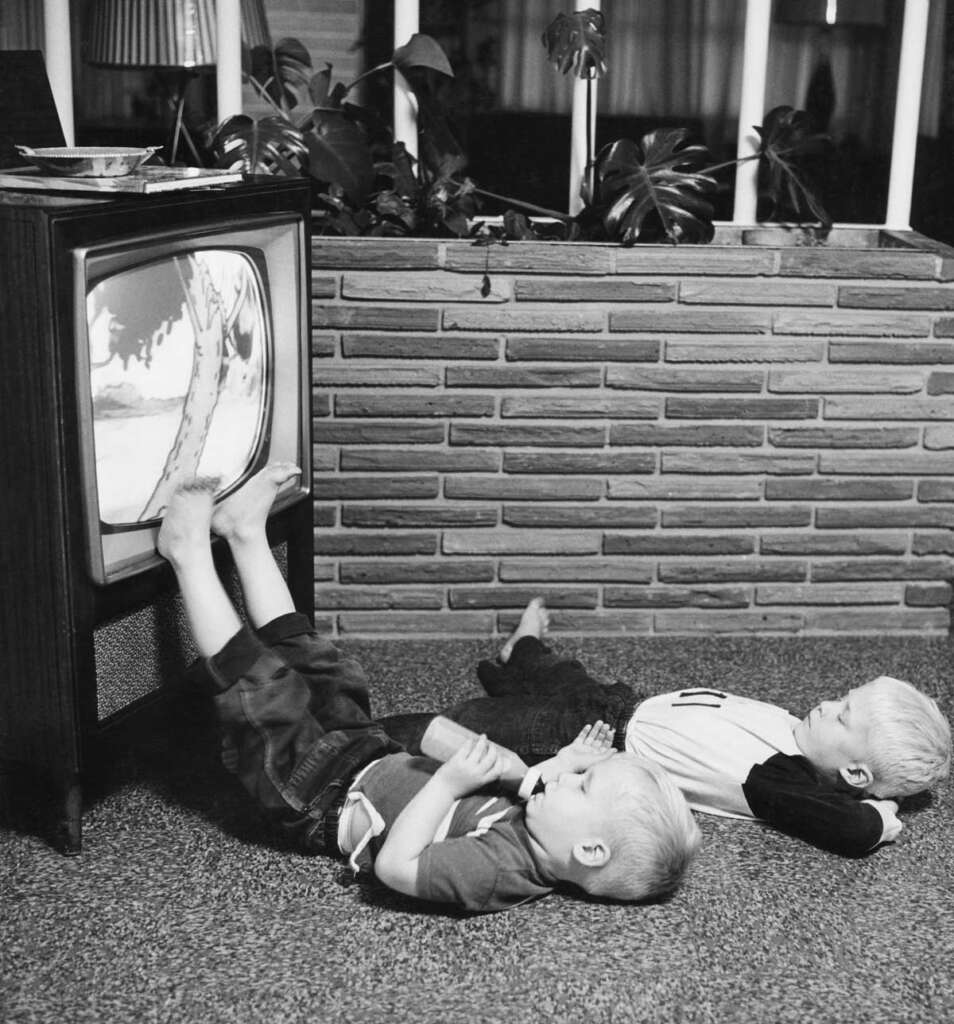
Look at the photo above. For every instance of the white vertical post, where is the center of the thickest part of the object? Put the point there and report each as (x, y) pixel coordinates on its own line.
(578, 127)
(758, 19)
(906, 113)
(228, 66)
(407, 19)
(59, 62)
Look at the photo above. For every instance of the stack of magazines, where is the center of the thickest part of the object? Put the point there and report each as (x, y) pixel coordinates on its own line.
(146, 179)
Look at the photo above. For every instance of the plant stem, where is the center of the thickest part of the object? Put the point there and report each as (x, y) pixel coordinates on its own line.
(263, 94)
(730, 163)
(540, 211)
(368, 74)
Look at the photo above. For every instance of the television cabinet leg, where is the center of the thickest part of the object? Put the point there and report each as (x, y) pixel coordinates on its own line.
(8, 803)
(69, 827)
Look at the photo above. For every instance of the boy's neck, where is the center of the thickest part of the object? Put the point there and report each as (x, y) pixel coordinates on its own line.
(829, 774)
(559, 870)
(552, 869)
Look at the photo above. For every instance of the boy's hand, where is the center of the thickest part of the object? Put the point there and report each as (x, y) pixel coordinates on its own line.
(891, 824)
(477, 763)
(594, 743)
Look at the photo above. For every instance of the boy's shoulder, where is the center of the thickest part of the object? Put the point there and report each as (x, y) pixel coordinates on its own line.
(481, 857)
(490, 867)
(791, 794)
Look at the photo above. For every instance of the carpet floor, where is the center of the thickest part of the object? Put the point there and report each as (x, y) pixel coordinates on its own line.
(182, 909)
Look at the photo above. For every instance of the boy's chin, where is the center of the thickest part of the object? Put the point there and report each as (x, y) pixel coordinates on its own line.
(799, 730)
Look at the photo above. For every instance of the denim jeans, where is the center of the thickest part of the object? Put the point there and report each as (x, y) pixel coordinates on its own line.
(536, 703)
(296, 724)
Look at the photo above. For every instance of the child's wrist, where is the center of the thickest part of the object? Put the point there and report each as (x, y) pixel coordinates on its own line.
(452, 785)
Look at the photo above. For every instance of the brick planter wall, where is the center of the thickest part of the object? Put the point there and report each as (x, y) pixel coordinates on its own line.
(698, 439)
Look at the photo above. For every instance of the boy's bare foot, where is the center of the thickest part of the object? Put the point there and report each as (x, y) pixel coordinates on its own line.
(534, 622)
(186, 520)
(244, 512)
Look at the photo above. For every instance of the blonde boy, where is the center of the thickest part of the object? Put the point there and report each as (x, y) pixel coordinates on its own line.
(296, 730)
(832, 778)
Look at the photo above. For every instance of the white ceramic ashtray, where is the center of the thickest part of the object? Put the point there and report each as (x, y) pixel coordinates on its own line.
(88, 161)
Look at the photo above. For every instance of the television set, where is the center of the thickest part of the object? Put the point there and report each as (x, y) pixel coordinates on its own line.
(189, 364)
(145, 340)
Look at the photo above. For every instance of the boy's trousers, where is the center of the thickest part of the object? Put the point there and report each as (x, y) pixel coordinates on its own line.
(296, 724)
(538, 702)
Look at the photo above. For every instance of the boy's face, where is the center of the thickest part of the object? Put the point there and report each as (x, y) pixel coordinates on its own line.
(574, 808)
(834, 736)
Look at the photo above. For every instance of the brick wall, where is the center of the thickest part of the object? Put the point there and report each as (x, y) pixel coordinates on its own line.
(697, 439)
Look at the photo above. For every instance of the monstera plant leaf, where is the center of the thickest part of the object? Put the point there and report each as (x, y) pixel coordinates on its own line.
(787, 136)
(338, 152)
(655, 179)
(265, 146)
(575, 42)
(280, 72)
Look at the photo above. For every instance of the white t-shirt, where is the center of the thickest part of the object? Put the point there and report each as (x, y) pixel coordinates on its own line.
(709, 741)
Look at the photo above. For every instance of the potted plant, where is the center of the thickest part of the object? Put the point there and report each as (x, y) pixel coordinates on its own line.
(661, 438)
(366, 183)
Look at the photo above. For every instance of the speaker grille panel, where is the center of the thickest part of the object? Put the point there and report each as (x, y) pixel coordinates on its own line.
(138, 652)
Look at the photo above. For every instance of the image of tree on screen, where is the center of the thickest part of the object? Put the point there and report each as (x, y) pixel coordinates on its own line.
(178, 351)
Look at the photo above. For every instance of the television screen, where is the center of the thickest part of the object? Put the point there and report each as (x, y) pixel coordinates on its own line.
(191, 366)
(174, 343)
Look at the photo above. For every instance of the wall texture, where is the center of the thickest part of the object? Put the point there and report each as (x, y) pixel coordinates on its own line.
(700, 439)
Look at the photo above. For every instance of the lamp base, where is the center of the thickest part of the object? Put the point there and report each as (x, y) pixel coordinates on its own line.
(175, 84)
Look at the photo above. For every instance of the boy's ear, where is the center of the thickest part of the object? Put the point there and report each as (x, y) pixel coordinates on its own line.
(857, 774)
(591, 853)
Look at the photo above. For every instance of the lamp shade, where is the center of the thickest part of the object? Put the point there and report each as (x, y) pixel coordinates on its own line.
(164, 33)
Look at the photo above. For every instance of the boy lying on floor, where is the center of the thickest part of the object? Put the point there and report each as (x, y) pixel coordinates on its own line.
(832, 778)
(296, 727)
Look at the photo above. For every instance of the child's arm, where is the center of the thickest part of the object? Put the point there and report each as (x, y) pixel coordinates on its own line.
(594, 743)
(476, 764)
(787, 792)
(888, 809)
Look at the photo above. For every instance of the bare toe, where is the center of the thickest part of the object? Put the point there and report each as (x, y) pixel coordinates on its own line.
(247, 508)
(186, 519)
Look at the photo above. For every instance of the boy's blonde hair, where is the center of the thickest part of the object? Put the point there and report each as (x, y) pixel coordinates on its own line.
(909, 740)
(651, 834)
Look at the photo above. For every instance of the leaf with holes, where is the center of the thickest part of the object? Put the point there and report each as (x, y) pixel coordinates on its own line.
(576, 42)
(653, 187)
(283, 72)
(267, 146)
(787, 139)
